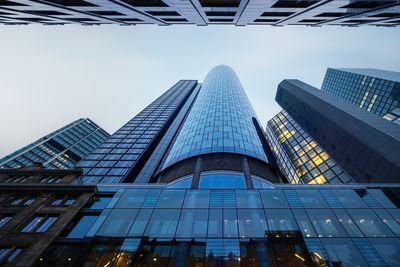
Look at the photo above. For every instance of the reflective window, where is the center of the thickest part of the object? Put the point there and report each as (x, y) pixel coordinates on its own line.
(163, 223)
(260, 183)
(140, 223)
(46, 224)
(230, 223)
(349, 199)
(99, 202)
(132, 198)
(4, 220)
(248, 199)
(382, 198)
(304, 223)
(83, 226)
(222, 181)
(117, 222)
(171, 199)
(193, 223)
(311, 199)
(273, 199)
(281, 222)
(388, 248)
(389, 220)
(252, 223)
(325, 223)
(348, 223)
(33, 224)
(343, 252)
(369, 223)
(197, 199)
(215, 223)
(182, 183)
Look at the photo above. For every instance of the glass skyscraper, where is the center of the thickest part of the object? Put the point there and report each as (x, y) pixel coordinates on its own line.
(192, 181)
(377, 91)
(61, 149)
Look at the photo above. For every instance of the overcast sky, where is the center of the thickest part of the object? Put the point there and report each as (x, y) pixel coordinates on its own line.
(53, 75)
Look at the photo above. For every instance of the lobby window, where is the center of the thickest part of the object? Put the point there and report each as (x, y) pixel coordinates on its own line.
(193, 223)
(273, 199)
(118, 222)
(221, 180)
(132, 198)
(40, 223)
(281, 222)
(163, 223)
(325, 223)
(197, 199)
(252, 223)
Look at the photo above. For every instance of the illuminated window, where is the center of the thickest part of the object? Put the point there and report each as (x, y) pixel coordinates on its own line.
(319, 180)
(317, 160)
(324, 156)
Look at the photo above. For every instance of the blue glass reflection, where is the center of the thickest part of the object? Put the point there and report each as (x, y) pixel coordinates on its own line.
(222, 181)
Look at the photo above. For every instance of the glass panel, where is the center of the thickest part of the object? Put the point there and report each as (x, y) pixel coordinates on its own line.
(197, 199)
(117, 222)
(171, 199)
(342, 252)
(382, 198)
(99, 202)
(273, 199)
(163, 223)
(132, 198)
(248, 199)
(311, 199)
(140, 223)
(82, 226)
(230, 223)
(369, 223)
(326, 223)
(46, 225)
(389, 221)
(184, 183)
(304, 223)
(252, 223)
(193, 223)
(222, 181)
(32, 224)
(215, 223)
(349, 199)
(348, 223)
(4, 220)
(281, 222)
(388, 248)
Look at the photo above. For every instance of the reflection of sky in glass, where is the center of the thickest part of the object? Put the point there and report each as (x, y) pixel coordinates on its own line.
(219, 121)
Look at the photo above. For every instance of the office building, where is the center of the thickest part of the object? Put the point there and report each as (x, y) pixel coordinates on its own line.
(203, 190)
(377, 91)
(61, 149)
(364, 145)
(299, 157)
(353, 13)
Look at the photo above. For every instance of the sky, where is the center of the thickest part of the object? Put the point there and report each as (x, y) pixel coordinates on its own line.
(53, 75)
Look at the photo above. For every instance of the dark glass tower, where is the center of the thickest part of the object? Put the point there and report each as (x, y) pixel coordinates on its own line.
(61, 149)
(377, 91)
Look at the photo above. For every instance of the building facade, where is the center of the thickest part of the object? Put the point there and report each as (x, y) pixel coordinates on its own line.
(377, 91)
(200, 188)
(61, 149)
(299, 157)
(384, 13)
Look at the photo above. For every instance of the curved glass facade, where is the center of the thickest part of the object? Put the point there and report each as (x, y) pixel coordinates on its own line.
(219, 121)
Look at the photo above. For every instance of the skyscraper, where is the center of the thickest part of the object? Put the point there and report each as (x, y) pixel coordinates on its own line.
(60, 149)
(377, 91)
(202, 12)
(366, 146)
(202, 191)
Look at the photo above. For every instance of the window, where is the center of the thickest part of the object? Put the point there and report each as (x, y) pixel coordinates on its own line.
(311, 199)
(83, 226)
(349, 199)
(369, 223)
(193, 223)
(348, 223)
(140, 222)
(388, 248)
(132, 198)
(39, 224)
(304, 223)
(171, 199)
(273, 199)
(197, 199)
(248, 199)
(118, 222)
(343, 251)
(215, 223)
(181, 183)
(281, 222)
(325, 223)
(252, 223)
(230, 223)
(222, 180)
(163, 223)
(4, 220)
